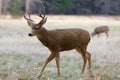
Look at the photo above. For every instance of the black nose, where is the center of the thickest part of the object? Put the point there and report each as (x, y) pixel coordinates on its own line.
(30, 34)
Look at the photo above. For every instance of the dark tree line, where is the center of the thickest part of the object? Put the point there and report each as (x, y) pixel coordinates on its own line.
(79, 7)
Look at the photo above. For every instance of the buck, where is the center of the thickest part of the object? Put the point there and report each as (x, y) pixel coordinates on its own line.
(60, 40)
(101, 29)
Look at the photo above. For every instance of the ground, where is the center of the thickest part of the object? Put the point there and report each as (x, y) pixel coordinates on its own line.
(21, 57)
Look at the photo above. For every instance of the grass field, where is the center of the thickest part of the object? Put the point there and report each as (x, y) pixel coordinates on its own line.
(21, 57)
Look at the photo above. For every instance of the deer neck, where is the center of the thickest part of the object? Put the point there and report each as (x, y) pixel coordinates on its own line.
(43, 36)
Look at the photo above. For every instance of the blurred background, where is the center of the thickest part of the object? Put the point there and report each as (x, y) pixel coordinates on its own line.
(21, 57)
(66, 7)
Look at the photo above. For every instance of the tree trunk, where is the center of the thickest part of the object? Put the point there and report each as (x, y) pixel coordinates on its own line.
(0, 8)
(28, 5)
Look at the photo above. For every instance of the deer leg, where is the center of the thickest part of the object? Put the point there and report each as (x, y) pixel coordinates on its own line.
(88, 55)
(57, 58)
(52, 56)
(83, 53)
(106, 34)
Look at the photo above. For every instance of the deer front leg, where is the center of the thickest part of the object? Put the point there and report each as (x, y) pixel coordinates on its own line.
(52, 56)
(84, 64)
(57, 58)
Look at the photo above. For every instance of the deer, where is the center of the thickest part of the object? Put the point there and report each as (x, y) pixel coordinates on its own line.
(99, 30)
(59, 40)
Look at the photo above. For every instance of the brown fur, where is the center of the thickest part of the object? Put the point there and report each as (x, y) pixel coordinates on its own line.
(62, 40)
(101, 29)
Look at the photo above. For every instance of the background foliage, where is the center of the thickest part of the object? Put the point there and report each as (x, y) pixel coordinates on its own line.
(67, 7)
(15, 8)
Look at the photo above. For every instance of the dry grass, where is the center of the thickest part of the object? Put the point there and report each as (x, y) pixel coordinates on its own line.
(22, 56)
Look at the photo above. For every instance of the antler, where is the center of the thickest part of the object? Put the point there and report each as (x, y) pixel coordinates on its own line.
(42, 16)
(44, 19)
(30, 21)
(43, 7)
(28, 15)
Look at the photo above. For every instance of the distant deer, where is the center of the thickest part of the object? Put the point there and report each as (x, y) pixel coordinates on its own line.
(60, 40)
(101, 29)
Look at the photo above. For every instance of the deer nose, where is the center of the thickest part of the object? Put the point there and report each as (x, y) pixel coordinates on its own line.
(30, 34)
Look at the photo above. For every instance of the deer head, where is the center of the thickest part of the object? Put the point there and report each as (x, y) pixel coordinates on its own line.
(35, 27)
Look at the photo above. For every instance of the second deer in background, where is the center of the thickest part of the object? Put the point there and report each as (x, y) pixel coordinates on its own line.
(100, 29)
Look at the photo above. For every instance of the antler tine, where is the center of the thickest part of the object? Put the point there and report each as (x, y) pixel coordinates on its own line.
(28, 16)
(29, 21)
(25, 17)
(42, 16)
(43, 7)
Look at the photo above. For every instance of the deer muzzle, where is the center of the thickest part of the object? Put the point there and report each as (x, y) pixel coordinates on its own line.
(29, 34)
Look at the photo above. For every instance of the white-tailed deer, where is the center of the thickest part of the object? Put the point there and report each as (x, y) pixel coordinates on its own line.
(60, 40)
(101, 29)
